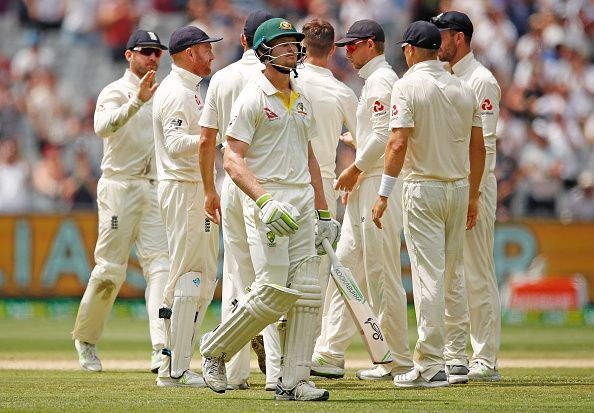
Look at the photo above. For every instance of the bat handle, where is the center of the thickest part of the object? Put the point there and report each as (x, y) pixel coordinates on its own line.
(330, 251)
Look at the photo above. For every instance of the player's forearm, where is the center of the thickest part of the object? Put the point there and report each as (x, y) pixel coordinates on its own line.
(477, 154)
(241, 175)
(372, 151)
(206, 155)
(180, 144)
(108, 121)
(316, 181)
(396, 151)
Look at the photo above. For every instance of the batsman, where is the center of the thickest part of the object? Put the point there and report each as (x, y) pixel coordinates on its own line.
(270, 158)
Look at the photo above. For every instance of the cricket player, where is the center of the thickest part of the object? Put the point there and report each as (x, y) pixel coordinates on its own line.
(479, 268)
(127, 202)
(193, 242)
(372, 255)
(270, 158)
(238, 272)
(436, 140)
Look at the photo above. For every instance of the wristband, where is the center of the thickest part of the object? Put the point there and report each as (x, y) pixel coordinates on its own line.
(323, 215)
(263, 200)
(387, 185)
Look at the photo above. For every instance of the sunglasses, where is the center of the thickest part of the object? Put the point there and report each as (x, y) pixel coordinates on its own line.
(147, 51)
(350, 48)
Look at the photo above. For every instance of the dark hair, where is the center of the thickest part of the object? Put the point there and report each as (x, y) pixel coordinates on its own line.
(379, 47)
(249, 40)
(319, 37)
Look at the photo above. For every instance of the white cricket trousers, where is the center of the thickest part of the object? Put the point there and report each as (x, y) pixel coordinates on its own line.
(481, 282)
(128, 215)
(373, 256)
(434, 227)
(192, 238)
(238, 275)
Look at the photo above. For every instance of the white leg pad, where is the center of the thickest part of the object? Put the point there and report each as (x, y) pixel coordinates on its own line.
(182, 328)
(301, 321)
(258, 308)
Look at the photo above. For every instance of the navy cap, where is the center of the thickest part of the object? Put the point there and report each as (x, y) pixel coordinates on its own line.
(142, 38)
(422, 34)
(360, 30)
(188, 36)
(453, 20)
(254, 20)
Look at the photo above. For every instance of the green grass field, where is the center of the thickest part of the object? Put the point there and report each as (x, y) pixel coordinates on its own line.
(521, 389)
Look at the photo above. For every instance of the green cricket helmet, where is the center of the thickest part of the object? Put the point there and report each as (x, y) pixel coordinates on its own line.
(273, 29)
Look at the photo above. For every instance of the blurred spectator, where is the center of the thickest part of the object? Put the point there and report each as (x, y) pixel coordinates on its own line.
(80, 22)
(14, 179)
(44, 14)
(117, 20)
(52, 187)
(32, 56)
(580, 203)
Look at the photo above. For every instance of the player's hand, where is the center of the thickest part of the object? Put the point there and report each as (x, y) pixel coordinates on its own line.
(472, 213)
(348, 140)
(377, 212)
(147, 86)
(326, 227)
(348, 179)
(212, 206)
(279, 217)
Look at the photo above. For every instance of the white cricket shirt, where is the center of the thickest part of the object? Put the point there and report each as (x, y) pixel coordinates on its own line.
(335, 105)
(125, 123)
(442, 110)
(488, 94)
(177, 106)
(224, 87)
(277, 131)
(373, 115)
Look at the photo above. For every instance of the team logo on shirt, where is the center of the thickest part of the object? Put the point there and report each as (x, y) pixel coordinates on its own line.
(378, 109)
(270, 114)
(100, 108)
(176, 122)
(271, 239)
(487, 106)
(394, 110)
(301, 109)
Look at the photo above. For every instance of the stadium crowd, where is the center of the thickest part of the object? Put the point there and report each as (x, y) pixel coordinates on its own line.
(56, 55)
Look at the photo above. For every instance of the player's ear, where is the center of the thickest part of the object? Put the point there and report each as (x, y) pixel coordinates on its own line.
(332, 50)
(128, 55)
(243, 40)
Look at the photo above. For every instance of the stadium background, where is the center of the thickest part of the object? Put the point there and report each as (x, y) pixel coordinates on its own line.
(56, 55)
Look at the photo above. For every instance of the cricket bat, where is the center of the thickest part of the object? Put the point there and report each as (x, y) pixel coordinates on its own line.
(359, 308)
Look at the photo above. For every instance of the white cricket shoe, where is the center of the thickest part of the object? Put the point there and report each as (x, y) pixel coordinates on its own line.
(326, 366)
(374, 373)
(303, 391)
(479, 371)
(215, 374)
(457, 374)
(244, 385)
(414, 380)
(87, 356)
(156, 361)
(188, 379)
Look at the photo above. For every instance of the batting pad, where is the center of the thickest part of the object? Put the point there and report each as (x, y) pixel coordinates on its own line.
(184, 323)
(261, 306)
(301, 321)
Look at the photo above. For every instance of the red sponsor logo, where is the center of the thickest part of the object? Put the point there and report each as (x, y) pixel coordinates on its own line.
(394, 110)
(487, 105)
(378, 106)
(301, 109)
(198, 101)
(270, 114)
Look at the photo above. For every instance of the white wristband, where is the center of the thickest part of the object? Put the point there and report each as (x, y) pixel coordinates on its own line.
(387, 185)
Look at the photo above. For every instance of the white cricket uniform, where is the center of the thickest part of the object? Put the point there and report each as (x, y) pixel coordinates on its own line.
(441, 110)
(479, 268)
(373, 255)
(192, 239)
(238, 272)
(128, 211)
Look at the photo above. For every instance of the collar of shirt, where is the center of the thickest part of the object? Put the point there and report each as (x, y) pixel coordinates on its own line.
(376, 63)
(431, 66)
(464, 64)
(318, 69)
(131, 78)
(269, 89)
(190, 79)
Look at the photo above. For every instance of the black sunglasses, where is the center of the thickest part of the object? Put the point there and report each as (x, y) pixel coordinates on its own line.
(147, 51)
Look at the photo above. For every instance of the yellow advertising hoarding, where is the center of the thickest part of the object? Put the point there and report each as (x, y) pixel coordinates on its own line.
(52, 255)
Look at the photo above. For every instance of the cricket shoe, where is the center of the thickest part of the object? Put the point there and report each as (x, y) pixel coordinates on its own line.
(87, 356)
(479, 371)
(414, 380)
(215, 374)
(258, 347)
(375, 373)
(303, 391)
(188, 379)
(326, 366)
(272, 386)
(244, 385)
(457, 374)
(156, 360)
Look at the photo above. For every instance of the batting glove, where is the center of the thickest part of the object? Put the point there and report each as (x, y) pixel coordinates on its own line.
(279, 217)
(326, 227)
